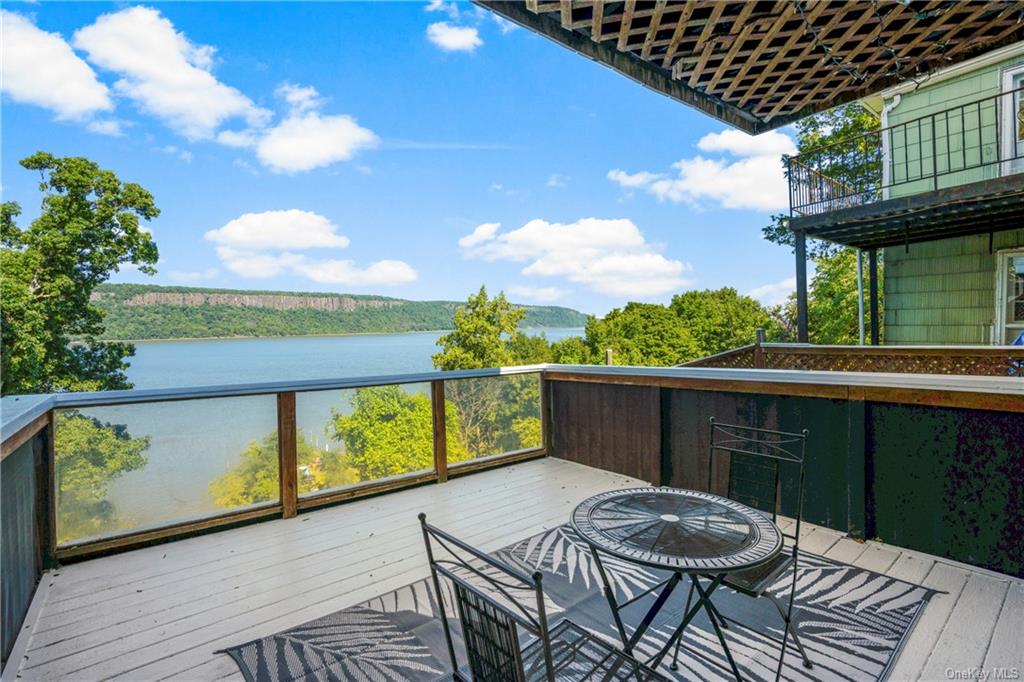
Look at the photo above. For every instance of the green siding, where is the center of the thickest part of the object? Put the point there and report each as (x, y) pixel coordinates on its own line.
(943, 291)
(912, 145)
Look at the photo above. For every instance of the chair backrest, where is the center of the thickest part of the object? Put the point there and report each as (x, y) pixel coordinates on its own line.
(494, 602)
(757, 459)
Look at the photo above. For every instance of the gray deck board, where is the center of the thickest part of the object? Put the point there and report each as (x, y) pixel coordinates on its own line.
(161, 612)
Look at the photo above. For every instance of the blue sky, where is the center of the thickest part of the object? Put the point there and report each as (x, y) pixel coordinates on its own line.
(401, 148)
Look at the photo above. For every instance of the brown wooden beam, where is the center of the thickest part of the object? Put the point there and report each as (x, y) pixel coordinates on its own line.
(288, 465)
(440, 430)
(800, 252)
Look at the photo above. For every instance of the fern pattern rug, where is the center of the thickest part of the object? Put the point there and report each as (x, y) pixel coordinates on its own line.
(852, 623)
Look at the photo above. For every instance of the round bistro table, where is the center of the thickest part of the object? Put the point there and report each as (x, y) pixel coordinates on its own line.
(685, 532)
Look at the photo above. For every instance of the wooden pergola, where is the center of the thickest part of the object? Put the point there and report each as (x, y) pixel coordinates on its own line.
(763, 64)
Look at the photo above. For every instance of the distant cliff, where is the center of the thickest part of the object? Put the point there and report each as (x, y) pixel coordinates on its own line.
(137, 311)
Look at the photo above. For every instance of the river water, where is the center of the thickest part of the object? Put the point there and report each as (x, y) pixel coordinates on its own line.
(194, 442)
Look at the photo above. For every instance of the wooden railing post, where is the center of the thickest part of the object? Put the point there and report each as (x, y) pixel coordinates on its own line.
(546, 415)
(440, 430)
(47, 489)
(287, 455)
(759, 349)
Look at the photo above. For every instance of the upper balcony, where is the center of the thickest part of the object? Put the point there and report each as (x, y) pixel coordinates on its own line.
(949, 173)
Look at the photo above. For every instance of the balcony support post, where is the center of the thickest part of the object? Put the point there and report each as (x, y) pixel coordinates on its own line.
(440, 430)
(801, 286)
(287, 454)
(873, 294)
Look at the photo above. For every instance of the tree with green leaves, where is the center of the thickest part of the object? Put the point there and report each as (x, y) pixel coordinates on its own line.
(391, 432)
(89, 455)
(255, 478)
(486, 334)
(832, 294)
(723, 319)
(820, 130)
(642, 334)
(88, 228)
(832, 300)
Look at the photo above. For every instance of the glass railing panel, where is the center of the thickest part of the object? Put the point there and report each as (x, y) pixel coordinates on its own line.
(356, 436)
(141, 466)
(493, 415)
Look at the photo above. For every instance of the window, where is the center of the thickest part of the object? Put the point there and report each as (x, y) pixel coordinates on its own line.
(1013, 120)
(1009, 296)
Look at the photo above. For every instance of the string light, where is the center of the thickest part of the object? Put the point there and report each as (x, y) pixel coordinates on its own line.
(897, 64)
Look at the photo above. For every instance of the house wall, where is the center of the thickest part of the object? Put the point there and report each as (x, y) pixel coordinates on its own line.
(943, 291)
(964, 138)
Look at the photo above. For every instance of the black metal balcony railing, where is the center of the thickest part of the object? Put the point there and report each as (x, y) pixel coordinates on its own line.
(975, 141)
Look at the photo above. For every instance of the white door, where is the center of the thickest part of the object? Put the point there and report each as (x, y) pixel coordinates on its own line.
(1012, 132)
(1009, 296)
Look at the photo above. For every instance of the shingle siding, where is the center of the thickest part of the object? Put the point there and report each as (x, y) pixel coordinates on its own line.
(943, 291)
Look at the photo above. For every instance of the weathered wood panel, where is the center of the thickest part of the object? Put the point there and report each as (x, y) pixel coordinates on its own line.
(950, 482)
(834, 482)
(616, 428)
(22, 553)
(942, 480)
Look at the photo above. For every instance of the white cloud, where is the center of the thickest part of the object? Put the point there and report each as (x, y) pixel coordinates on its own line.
(183, 154)
(263, 245)
(774, 294)
(167, 75)
(299, 97)
(482, 233)
(237, 138)
(106, 127)
(290, 229)
(452, 38)
(631, 180)
(194, 275)
(504, 25)
(449, 8)
(739, 143)
(304, 141)
(40, 68)
(262, 265)
(752, 180)
(608, 256)
(383, 272)
(557, 180)
(538, 294)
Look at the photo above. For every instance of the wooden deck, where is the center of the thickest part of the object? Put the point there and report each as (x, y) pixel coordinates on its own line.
(161, 612)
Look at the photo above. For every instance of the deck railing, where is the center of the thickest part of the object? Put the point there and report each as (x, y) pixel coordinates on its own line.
(996, 361)
(975, 141)
(255, 452)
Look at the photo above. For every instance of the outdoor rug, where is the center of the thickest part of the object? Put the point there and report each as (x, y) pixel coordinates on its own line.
(852, 623)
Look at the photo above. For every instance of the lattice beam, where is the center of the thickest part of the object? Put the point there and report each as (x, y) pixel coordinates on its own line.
(761, 64)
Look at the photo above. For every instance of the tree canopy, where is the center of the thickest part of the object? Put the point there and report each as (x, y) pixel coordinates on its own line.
(89, 455)
(88, 227)
(723, 319)
(814, 132)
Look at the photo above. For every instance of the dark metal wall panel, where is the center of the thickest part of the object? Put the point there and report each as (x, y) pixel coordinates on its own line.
(20, 558)
(616, 428)
(950, 482)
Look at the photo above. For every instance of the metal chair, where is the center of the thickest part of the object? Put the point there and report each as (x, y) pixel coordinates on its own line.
(755, 457)
(496, 625)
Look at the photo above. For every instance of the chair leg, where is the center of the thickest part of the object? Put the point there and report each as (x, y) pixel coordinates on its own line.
(679, 642)
(787, 619)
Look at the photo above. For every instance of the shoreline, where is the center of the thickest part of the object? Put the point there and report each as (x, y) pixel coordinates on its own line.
(296, 336)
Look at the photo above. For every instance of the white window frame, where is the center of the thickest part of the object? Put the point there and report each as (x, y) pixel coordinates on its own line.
(1002, 278)
(1006, 124)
